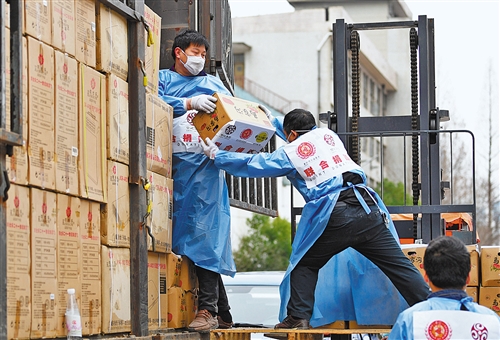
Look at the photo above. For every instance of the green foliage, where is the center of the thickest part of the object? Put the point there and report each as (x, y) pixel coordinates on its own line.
(394, 193)
(266, 247)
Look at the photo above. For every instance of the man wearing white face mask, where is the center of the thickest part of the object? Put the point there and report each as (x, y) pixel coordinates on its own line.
(201, 219)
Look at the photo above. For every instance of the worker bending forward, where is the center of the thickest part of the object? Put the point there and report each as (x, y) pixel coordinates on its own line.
(341, 211)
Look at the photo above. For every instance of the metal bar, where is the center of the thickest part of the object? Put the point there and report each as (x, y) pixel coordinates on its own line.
(382, 25)
(138, 172)
(9, 137)
(253, 208)
(121, 8)
(384, 123)
(16, 67)
(431, 209)
(340, 97)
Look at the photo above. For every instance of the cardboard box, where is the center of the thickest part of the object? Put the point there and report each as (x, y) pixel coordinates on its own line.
(160, 220)
(63, 25)
(112, 42)
(490, 297)
(336, 325)
(116, 315)
(474, 265)
(18, 263)
(85, 42)
(117, 120)
(66, 132)
(490, 266)
(90, 307)
(68, 254)
(159, 135)
(92, 134)
(115, 215)
(473, 292)
(174, 264)
(41, 114)
(17, 164)
(177, 308)
(38, 19)
(188, 280)
(235, 125)
(152, 53)
(44, 290)
(191, 305)
(415, 252)
(157, 291)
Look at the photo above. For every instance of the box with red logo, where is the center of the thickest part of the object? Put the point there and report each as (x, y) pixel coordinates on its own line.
(490, 266)
(415, 252)
(235, 125)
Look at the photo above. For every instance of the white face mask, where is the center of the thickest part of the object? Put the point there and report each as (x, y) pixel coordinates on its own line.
(194, 64)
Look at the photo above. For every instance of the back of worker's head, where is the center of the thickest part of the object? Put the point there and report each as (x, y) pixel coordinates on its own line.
(447, 262)
(188, 37)
(298, 119)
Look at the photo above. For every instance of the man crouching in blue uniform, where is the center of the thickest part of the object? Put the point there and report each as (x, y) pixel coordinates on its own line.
(341, 211)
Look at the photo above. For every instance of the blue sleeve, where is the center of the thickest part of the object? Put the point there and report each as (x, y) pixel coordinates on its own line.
(259, 165)
(400, 330)
(278, 124)
(177, 103)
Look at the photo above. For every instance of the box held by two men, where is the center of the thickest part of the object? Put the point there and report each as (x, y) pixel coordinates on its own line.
(236, 125)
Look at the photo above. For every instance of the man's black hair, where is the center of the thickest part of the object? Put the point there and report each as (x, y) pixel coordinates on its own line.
(188, 37)
(298, 120)
(447, 262)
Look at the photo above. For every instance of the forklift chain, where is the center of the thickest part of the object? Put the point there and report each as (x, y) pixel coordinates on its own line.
(355, 76)
(414, 124)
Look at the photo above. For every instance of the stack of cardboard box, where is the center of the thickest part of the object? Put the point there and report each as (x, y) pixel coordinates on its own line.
(68, 210)
(489, 292)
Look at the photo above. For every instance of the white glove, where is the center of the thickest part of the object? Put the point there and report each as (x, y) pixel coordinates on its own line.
(209, 148)
(203, 102)
(268, 113)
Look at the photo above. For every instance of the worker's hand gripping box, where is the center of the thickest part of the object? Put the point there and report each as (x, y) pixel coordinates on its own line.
(235, 125)
(490, 266)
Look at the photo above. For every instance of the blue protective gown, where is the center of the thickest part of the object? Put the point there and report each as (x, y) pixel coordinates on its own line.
(403, 328)
(350, 287)
(201, 219)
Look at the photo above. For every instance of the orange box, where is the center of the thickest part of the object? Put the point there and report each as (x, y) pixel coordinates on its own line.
(177, 308)
(152, 53)
(415, 252)
(473, 292)
(490, 297)
(174, 265)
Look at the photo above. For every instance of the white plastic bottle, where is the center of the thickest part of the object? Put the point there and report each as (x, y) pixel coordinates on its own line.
(73, 319)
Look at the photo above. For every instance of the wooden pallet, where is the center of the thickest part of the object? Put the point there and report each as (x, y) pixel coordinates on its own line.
(292, 334)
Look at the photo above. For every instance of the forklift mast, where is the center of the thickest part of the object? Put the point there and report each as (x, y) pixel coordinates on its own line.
(422, 126)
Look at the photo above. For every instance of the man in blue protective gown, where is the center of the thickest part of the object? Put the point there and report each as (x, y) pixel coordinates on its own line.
(448, 310)
(341, 212)
(201, 218)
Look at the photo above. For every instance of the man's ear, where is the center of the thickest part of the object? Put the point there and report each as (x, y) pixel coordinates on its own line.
(426, 278)
(177, 52)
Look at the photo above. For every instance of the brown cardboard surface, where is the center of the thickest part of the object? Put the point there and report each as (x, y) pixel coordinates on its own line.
(152, 53)
(66, 132)
(115, 215)
(188, 280)
(115, 290)
(160, 219)
(174, 263)
(117, 119)
(235, 125)
(474, 265)
(112, 42)
(44, 264)
(90, 307)
(17, 164)
(41, 114)
(157, 291)
(63, 25)
(38, 19)
(92, 134)
(85, 25)
(159, 117)
(18, 263)
(191, 305)
(68, 254)
(490, 297)
(177, 308)
(415, 252)
(490, 266)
